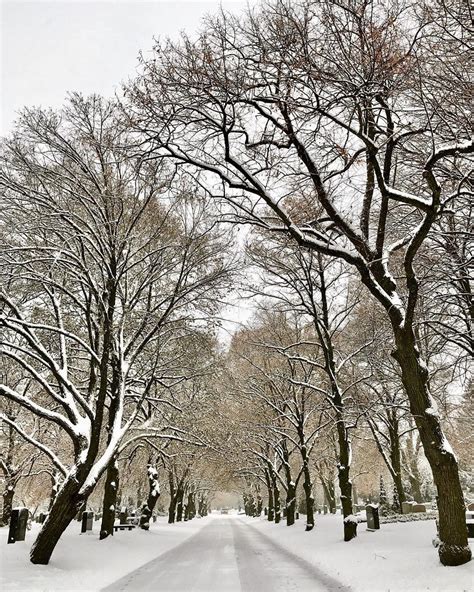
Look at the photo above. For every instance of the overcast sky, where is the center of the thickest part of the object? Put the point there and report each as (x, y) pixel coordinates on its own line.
(51, 47)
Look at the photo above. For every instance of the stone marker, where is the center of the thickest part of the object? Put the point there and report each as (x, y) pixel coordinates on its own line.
(87, 520)
(123, 515)
(417, 508)
(470, 524)
(470, 507)
(325, 509)
(407, 507)
(297, 516)
(18, 522)
(265, 511)
(372, 513)
(42, 517)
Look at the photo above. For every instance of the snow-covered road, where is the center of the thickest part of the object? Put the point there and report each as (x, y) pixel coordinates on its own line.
(227, 555)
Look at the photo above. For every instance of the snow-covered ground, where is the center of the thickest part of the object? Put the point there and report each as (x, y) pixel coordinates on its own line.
(237, 553)
(83, 563)
(397, 558)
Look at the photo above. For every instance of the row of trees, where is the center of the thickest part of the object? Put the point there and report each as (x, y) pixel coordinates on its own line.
(111, 276)
(345, 127)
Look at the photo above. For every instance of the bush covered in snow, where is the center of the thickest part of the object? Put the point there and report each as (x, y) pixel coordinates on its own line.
(408, 517)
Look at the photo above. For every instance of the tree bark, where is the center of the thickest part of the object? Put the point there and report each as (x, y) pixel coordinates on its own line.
(309, 499)
(55, 485)
(454, 548)
(67, 504)
(395, 459)
(290, 503)
(153, 495)
(345, 485)
(179, 504)
(8, 495)
(109, 502)
(276, 499)
(271, 507)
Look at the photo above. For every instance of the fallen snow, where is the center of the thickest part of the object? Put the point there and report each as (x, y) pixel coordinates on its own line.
(399, 557)
(83, 563)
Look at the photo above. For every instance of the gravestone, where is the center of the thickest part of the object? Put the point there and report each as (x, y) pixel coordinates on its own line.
(265, 511)
(42, 517)
(325, 509)
(154, 517)
(407, 507)
(18, 522)
(470, 524)
(470, 507)
(297, 516)
(123, 515)
(372, 512)
(417, 508)
(87, 520)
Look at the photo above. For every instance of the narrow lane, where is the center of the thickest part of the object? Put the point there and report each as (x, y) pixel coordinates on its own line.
(227, 555)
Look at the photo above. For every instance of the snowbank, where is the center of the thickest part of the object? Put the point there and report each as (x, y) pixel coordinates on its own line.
(83, 563)
(399, 557)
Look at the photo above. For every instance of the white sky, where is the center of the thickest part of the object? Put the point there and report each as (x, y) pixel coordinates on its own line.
(50, 47)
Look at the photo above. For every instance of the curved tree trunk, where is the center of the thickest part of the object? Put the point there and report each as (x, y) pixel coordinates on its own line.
(65, 507)
(454, 548)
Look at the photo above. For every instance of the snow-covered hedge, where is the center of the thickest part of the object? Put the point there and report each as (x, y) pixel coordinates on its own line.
(409, 517)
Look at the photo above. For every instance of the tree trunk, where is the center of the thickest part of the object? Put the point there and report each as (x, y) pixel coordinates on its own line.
(276, 498)
(259, 505)
(172, 510)
(309, 500)
(109, 502)
(179, 504)
(343, 468)
(271, 507)
(290, 503)
(65, 507)
(395, 459)
(190, 507)
(153, 495)
(8, 495)
(454, 548)
(55, 485)
(329, 494)
(172, 506)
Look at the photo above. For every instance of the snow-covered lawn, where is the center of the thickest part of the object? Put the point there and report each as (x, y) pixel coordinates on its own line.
(397, 558)
(82, 562)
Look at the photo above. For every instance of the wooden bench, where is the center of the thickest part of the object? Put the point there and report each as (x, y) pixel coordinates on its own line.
(124, 526)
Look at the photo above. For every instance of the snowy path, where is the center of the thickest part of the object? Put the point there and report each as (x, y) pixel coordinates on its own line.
(227, 555)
